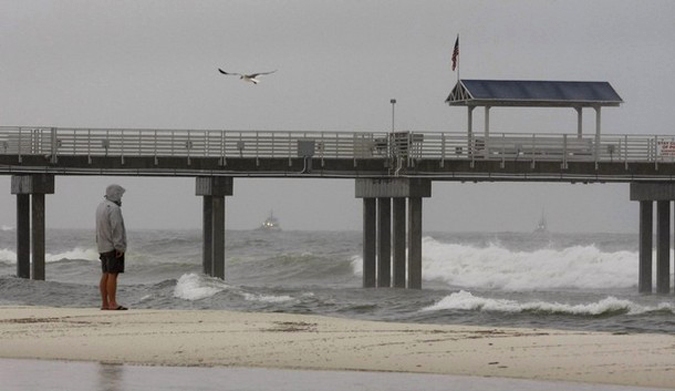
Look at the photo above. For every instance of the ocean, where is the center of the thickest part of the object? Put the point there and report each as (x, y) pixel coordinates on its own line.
(563, 281)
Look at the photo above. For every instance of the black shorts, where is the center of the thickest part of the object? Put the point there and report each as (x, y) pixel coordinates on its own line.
(111, 264)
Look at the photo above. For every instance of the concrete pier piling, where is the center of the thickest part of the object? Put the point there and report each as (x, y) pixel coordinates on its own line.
(646, 193)
(399, 238)
(38, 235)
(30, 191)
(383, 242)
(662, 247)
(369, 240)
(415, 243)
(214, 189)
(646, 239)
(378, 225)
(23, 235)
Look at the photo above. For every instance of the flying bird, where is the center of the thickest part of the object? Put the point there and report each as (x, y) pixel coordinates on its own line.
(252, 77)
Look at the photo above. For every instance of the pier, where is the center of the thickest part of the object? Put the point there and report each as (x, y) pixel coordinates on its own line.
(393, 171)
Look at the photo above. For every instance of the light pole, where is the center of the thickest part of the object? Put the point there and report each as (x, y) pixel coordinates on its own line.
(393, 104)
(391, 137)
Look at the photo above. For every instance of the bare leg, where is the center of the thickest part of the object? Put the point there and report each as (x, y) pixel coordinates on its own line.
(103, 287)
(111, 285)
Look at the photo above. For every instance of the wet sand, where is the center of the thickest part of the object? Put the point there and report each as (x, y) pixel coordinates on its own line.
(284, 341)
(24, 375)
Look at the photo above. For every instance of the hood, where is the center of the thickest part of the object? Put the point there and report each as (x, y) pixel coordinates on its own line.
(114, 193)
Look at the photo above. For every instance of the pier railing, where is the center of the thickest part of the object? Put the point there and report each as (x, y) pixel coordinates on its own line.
(405, 146)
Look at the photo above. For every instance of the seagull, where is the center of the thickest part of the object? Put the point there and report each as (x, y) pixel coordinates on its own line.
(250, 77)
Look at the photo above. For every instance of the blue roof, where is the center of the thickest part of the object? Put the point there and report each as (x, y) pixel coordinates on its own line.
(533, 93)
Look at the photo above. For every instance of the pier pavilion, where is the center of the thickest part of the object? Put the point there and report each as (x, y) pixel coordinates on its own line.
(393, 171)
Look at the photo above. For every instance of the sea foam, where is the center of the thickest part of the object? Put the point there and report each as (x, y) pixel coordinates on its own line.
(266, 298)
(7, 256)
(464, 300)
(78, 253)
(88, 254)
(193, 287)
(496, 267)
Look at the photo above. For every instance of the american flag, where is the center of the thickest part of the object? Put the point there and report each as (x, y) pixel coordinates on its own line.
(455, 54)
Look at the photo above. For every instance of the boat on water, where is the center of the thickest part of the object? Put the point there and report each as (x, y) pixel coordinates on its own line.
(271, 223)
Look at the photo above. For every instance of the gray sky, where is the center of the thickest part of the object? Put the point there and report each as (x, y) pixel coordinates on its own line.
(153, 64)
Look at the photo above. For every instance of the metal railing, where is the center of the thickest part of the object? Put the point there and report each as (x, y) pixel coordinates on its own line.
(405, 146)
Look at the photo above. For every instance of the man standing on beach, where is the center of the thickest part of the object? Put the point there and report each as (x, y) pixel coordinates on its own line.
(111, 239)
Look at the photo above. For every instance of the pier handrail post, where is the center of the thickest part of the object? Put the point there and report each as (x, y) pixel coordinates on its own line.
(223, 139)
(155, 145)
(442, 149)
(564, 150)
(89, 146)
(625, 151)
(122, 141)
(54, 146)
(19, 148)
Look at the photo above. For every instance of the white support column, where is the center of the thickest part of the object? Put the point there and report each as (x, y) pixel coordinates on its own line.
(487, 130)
(470, 147)
(580, 121)
(487, 121)
(470, 119)
(597, 131)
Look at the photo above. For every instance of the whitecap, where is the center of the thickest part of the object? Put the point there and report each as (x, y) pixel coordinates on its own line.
(266, 298)
(89, 254)
(7, 256)
(496, 267)
(464, 300)
(194, 287)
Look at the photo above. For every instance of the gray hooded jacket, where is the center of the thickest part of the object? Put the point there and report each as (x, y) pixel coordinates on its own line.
(110, 232)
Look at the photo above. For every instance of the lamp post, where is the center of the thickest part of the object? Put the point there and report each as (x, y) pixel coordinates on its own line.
(391, 137)
(393, 104)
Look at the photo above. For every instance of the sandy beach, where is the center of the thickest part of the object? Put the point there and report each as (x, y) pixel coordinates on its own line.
(284, 341)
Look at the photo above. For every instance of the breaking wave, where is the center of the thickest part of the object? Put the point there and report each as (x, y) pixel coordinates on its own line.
(464, 300)
(78, 253)
(496, 267)
(193, 287)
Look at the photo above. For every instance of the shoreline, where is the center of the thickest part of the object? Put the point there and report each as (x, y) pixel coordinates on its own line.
(214, 338)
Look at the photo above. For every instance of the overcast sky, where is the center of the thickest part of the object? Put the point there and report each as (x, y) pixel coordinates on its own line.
(153, 64)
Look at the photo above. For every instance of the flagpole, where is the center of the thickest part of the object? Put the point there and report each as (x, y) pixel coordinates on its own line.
(455, 57)
(458, 58)
(458, 70)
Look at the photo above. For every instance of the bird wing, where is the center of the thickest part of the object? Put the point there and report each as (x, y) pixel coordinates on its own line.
(253, 75)
(228, 73)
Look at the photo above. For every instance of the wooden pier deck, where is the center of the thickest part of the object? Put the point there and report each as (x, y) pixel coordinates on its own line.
(433, 155)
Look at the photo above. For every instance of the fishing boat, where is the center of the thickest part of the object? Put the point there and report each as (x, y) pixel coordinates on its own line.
(271, 223)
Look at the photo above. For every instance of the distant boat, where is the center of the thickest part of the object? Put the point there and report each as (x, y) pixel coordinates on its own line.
(541, 226)
(271, 223)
